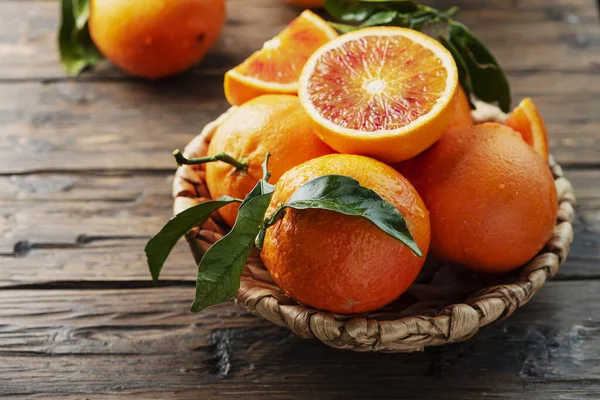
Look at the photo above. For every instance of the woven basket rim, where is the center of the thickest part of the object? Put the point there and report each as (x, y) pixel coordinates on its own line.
(452, 323)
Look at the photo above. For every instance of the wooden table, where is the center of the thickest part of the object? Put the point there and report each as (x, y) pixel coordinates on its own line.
(85, 172)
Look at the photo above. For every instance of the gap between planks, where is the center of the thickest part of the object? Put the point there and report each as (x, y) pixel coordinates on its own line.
(170, 283)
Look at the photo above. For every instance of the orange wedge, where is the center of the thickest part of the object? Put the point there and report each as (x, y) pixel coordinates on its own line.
(384, 92)
(276, 67)
(526, 120)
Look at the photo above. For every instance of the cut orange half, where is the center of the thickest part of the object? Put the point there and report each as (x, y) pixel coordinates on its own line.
(276, 67)
(526, 120)
(384, 92)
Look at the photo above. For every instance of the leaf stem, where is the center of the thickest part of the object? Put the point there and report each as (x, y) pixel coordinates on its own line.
(449, 13)
(265, 168)
(267, 222)
(182, 160)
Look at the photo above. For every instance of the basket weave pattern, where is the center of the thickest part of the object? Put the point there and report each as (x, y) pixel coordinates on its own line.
(444, 304)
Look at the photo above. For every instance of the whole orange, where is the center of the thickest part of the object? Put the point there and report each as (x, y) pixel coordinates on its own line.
(155, 38)
(275, 123)
(492, 199)
(461, 115)
(341, 263)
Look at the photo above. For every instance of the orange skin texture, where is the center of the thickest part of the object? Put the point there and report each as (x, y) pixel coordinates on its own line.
(461, 116)
(340, 263)
(274, 123)
(155, 38)
(492, 199)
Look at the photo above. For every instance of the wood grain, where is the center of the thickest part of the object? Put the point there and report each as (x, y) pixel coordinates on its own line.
(75, 209)
(102, 126)
(138, 342)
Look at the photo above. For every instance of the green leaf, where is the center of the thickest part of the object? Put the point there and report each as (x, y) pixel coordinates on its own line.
(463, 72)
(77, 50)
(417, 22)
(349, 10)
(221, 266)
(379, 18)
(357, 11)
(345, 195)
(158, 248)
(81, 13)
(489, 83)
(343, 28)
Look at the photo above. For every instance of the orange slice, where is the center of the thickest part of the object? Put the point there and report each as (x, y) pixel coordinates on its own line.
(385, 92)
(276, 67)
(526, 120)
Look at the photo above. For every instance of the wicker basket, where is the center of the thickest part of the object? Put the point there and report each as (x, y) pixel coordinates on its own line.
(443, 305)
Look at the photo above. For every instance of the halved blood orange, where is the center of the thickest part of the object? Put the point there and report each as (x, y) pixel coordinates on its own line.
(384, 92)
(526, 120)
(276, 67)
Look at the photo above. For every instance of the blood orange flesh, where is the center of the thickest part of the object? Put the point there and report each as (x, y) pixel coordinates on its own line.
(378, 83)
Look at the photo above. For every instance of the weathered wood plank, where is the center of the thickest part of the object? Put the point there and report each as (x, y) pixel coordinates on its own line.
(138, 342)
(71, 209)
(555, 35)
(82, 126)
(121, 261)
(62, 227)
(70, 126)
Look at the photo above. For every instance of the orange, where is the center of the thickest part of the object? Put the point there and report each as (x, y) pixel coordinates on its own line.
(492, 199)
(276, 67)
(155, 38)
(461, 115)
(306, 3)
(384, 92)
(341, 263)
(526, 120)
(274, 123)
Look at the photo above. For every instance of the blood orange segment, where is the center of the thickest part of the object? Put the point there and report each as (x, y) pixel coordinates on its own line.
(384, 92)
(276, 67)
(526, 120)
